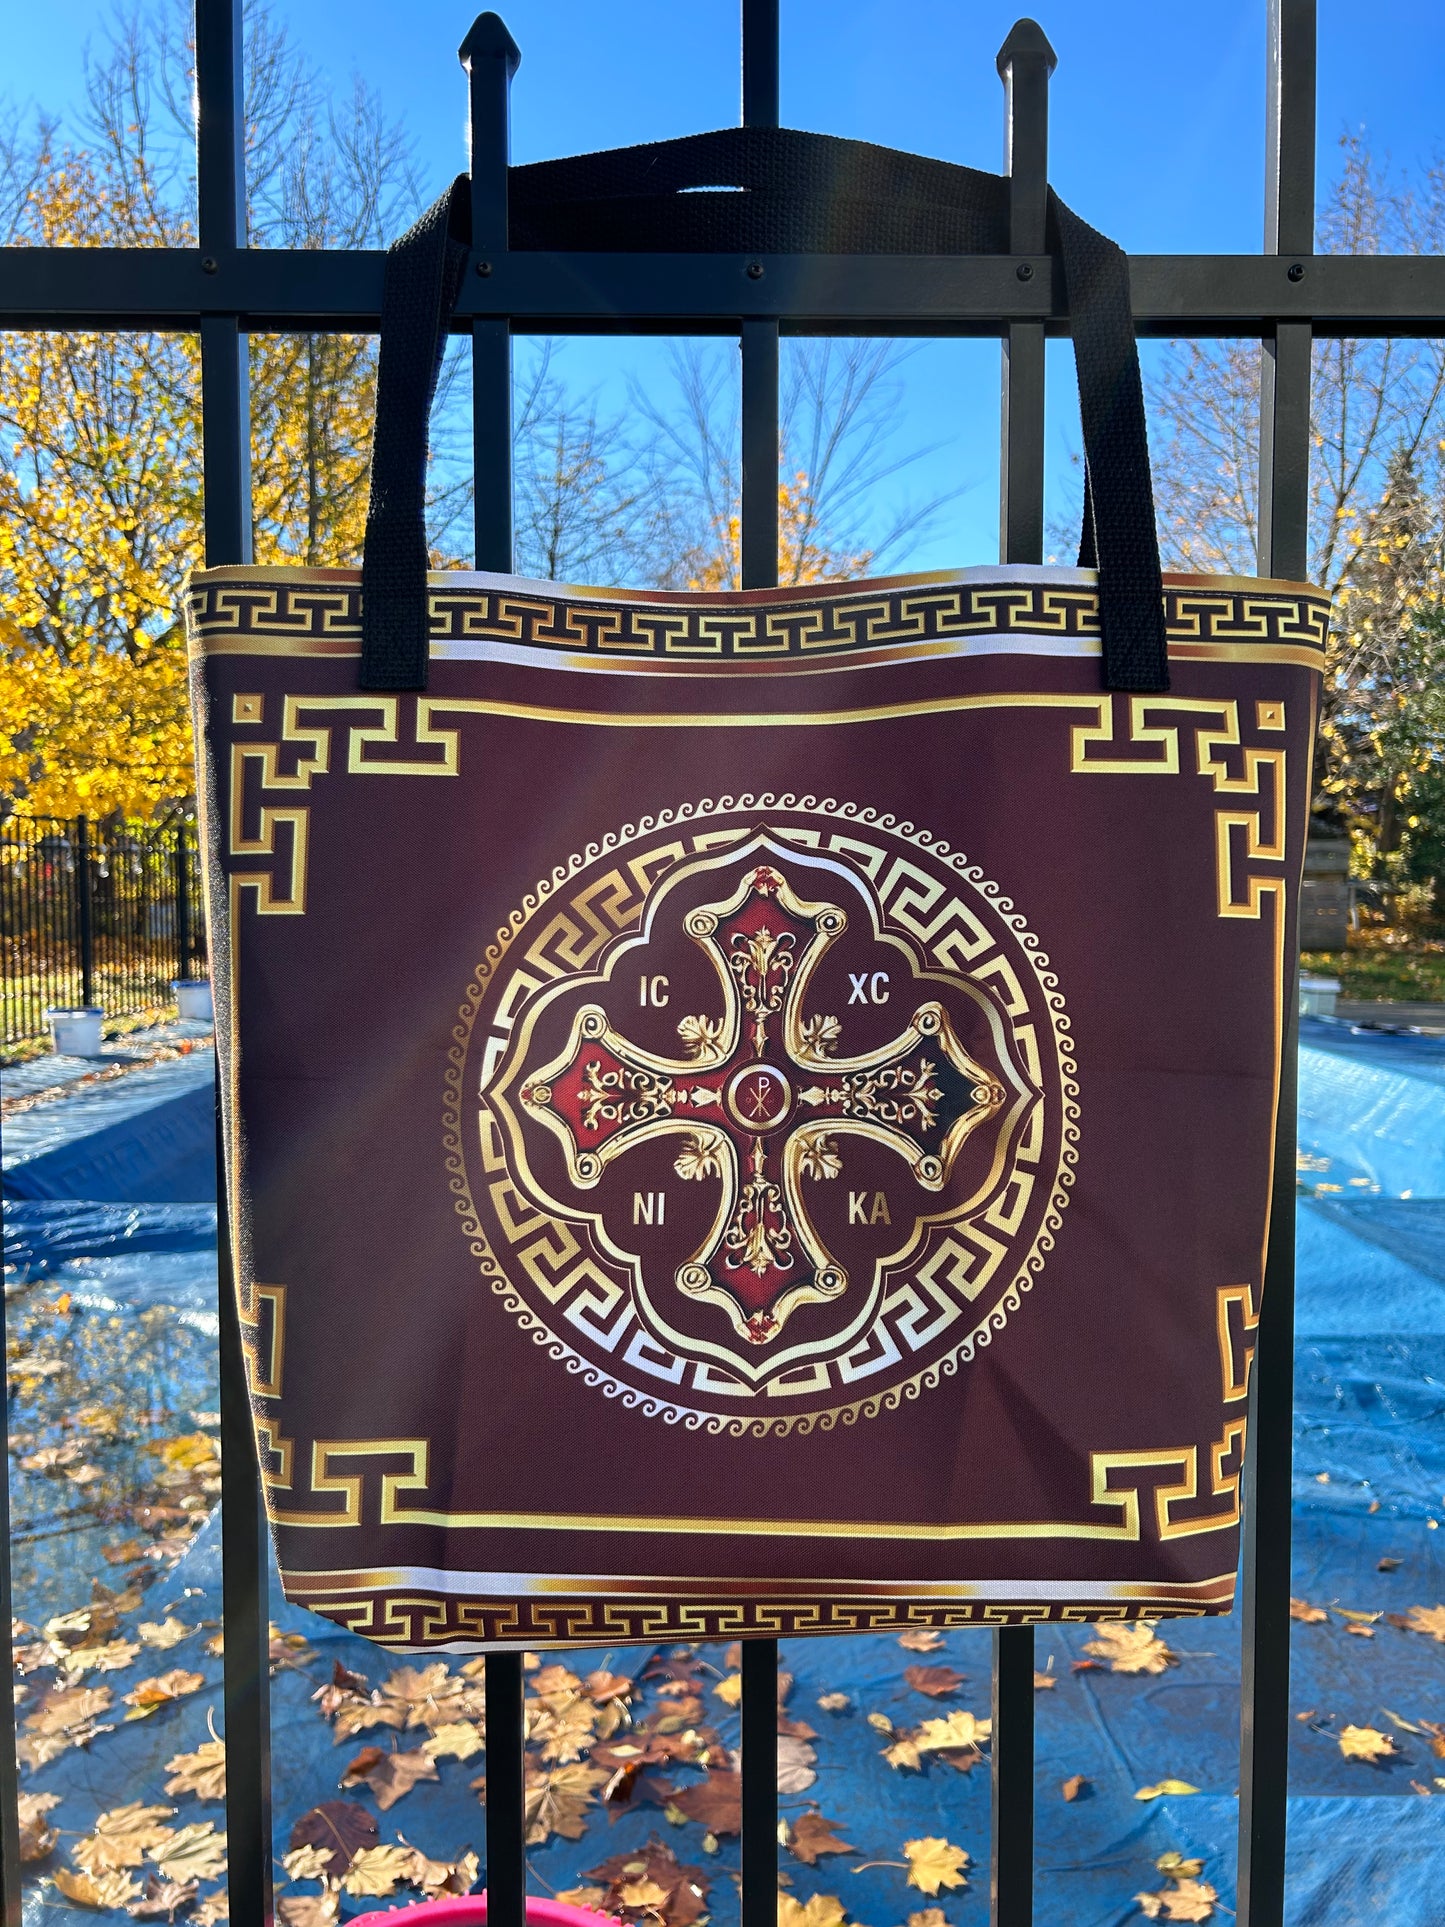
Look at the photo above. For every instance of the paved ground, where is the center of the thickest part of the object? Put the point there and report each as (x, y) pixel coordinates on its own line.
(1426, 1017)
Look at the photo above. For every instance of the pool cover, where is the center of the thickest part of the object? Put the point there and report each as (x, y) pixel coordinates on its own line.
(1369, 1489)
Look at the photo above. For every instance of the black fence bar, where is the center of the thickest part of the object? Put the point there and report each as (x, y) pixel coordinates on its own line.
(490, 58)
(183, 911)
(321, 290)
(506, 1792)
(758, 560)
(1283, 550)
(226, 474)
(1025, 62)
(84, 903)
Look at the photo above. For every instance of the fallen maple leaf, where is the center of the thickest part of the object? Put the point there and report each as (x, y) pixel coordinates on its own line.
(937, 1681)
(438, 1877)
(1073, 1786)
(1131, 1648)
(1311, 1615)
(37, 1838)
(122, 1837)
(66, 1709)
(112, 1657)
(458, 1741)
(601, 1687)
(202, 1772)
(819, 1910)
(311, 1910)
(147, 1695)
(164, 1633)
(557, 1801)
(589, 1897)
(834, 1702)
(928, 1917)
(1163, 1787)
(395, 1774)
(215, 1908)
(163, 1899)
(1189, 1900)
(923, 1639)
(685, 1888)
(960, 1729)
(96, 1890)
(196, 1852)
(645, 1894)
(377, 1871)
(903, 1754)
(796, 1760)
(1366, 1743)
(339, 1826)
(1043, 1682)
(729, 1689)
(715, 1803)
(933, 1863)
(811, 1836)
(1177, 1867)
(1426, 1619)
(308, 1863)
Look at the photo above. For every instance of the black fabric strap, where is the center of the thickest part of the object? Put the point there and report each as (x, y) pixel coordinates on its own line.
(1118, 492)
(760, 190)
(423, 278)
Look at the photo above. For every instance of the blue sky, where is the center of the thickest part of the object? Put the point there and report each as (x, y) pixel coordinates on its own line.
(1157, 131)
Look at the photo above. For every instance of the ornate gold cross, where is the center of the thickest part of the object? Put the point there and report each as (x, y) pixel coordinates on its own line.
(763, 1101)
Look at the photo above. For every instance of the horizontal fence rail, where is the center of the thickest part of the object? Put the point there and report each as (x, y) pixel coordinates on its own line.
(95, 914)
(1284, 297)
(320, 291)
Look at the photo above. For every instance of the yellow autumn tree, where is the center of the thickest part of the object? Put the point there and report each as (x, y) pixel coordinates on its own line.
(803, 553)
(100, 468)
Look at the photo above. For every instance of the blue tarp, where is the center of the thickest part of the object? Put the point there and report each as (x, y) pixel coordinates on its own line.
(1369, 1485)
(146, 1137)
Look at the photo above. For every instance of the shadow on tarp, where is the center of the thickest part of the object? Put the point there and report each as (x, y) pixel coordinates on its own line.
(147, 1137)
(1371, 1391)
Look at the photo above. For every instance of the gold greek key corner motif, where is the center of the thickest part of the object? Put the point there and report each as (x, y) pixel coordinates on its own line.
(302, 753)
(1224, 1484)
(263, 1329)
(1240, 836)
(1236, 1305)
(327, 1483)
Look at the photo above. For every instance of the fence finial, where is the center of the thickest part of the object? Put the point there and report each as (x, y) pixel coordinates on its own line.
(1025, 37)
(488, 36)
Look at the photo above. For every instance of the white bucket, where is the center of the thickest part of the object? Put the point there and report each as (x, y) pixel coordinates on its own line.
(76, 1033)
(193, 999)
(1317, 995)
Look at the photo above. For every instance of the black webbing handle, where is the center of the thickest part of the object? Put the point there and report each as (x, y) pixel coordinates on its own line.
(423, 278)
(801, 193)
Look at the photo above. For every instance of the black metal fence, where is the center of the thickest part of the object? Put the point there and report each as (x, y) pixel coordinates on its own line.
(95, 914)
(1283, 297)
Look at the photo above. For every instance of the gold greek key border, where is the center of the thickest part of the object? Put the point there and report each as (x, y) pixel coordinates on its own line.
(302, 612)
(411, 1618)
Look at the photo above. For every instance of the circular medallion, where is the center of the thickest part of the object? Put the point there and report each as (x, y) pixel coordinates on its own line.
(761, 1112)
(757, 1098)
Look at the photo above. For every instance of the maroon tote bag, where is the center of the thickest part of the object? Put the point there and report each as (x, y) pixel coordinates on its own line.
(751, 1112)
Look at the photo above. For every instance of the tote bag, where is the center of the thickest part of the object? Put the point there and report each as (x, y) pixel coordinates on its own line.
(751, 1113)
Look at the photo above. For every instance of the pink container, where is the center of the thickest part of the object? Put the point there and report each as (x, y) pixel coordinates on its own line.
(470, 1910)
